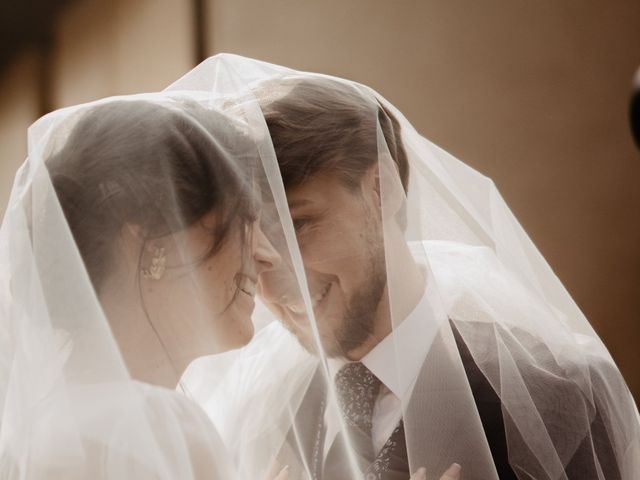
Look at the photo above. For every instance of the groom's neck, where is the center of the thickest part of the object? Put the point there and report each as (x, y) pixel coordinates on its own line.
(406, 284)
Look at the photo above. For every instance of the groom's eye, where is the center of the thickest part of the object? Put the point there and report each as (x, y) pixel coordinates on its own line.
(305, 222)
(300, 223)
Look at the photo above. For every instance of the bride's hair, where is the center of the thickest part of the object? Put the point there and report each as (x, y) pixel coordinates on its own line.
(158, 167)
(320, 125)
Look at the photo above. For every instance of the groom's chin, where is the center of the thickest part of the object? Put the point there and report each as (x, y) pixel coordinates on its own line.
(303, 337)
(307, 340)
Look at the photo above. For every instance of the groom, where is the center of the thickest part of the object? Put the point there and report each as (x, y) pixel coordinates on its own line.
(324, 135)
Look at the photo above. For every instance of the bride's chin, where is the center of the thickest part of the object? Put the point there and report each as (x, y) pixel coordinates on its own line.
(239, 334)
(247, 333)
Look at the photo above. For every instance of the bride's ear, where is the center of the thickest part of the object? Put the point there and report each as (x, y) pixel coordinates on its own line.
(134, 238)
(133, 231)
(148, 256)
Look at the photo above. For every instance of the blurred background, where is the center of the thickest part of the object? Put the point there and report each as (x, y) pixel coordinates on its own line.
(533, 94)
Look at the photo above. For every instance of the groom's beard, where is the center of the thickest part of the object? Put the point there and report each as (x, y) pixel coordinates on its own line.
(359, 322)
(360, 314)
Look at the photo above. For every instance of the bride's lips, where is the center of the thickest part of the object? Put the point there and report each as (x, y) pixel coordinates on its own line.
(246, 284)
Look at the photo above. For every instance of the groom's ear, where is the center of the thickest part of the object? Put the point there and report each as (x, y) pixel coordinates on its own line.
(370, 187)
(374, 180)
(386, 190)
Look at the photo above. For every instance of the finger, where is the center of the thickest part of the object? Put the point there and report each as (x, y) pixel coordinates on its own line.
(284, 474)
(272, 471)
(420, 474)
(452, 473)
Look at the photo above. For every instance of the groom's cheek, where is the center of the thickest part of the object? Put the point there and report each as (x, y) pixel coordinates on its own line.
(268, 287)
(269, 291)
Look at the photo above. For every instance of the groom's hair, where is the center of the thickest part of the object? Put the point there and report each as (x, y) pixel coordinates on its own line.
(323, 125)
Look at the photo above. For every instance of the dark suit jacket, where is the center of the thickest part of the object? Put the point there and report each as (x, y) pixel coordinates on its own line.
(584, 450)
(513, 461)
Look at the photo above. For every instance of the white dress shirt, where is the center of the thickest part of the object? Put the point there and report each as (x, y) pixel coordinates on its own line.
(396, 361)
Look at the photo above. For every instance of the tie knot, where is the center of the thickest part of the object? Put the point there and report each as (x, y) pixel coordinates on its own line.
(357, 389)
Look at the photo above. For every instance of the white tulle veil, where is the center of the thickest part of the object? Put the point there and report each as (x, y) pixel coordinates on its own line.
(152, 168)
(492, 318)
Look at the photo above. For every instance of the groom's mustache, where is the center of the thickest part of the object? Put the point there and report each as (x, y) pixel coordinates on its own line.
(281, 288)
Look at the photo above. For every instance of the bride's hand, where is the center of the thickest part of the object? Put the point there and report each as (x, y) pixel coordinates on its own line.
(452, 473)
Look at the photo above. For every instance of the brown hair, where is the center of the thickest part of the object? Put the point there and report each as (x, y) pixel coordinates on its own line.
(143, 163)
(323, 125)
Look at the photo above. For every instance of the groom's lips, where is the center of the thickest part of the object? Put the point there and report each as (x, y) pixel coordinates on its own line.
(299, 311)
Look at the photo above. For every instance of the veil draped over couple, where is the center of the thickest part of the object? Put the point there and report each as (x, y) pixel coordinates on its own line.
(261, 273)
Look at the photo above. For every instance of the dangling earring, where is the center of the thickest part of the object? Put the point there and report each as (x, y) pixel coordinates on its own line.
(158, 264)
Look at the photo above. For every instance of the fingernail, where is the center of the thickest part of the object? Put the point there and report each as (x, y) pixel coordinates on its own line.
(284, 473)
(454, 470)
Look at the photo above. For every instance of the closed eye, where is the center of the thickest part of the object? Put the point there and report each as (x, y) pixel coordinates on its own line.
(305, 222)
(299, 224)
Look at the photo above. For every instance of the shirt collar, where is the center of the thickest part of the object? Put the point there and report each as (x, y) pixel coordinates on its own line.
(396, 361)
(398, 358)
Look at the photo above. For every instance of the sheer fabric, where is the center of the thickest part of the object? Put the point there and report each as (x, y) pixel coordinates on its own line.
(485, 358)
(129, 247)
(370, 245)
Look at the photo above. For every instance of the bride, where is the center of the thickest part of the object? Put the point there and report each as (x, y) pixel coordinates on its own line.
(133, 247)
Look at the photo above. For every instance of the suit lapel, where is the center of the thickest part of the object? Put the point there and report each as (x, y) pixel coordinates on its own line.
(303, 447)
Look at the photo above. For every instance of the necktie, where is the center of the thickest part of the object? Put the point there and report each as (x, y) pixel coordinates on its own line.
(357, 389)
(391, 463)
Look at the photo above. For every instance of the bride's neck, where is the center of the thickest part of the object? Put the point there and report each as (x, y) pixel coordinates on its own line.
(142, 350)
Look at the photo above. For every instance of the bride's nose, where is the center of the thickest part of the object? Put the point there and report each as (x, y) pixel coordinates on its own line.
(265, 255)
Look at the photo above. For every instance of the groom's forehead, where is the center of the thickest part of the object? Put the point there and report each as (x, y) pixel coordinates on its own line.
(319, 189)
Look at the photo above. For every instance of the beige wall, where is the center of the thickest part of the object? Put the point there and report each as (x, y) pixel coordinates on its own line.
(533, 94)
(101, 48)
(109, 47)
(18, 109)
